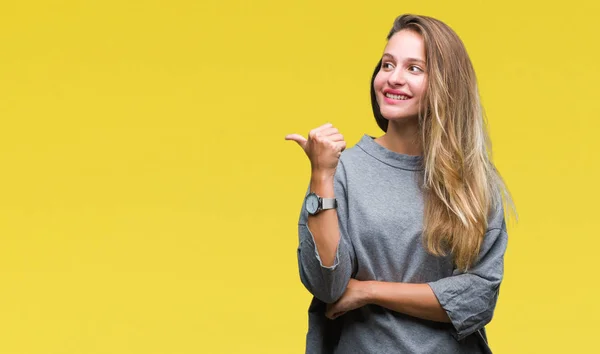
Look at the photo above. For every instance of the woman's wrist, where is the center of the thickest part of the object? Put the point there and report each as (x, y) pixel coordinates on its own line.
(322, 184)
(368, 288)
(322, 175)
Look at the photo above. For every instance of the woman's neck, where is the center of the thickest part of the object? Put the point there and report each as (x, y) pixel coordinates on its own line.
(402, 136)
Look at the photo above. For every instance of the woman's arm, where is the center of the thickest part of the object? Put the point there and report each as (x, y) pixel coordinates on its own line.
(417, 300)
(324, 257)
(324, 226)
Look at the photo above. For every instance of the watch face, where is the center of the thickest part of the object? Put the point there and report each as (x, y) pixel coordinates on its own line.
(312, 203)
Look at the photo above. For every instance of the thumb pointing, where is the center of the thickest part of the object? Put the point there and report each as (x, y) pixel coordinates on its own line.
(297, 138)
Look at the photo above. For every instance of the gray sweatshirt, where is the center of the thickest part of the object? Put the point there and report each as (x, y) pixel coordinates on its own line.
(380, 213)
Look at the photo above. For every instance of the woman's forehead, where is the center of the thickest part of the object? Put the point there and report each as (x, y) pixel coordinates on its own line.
(405, 44)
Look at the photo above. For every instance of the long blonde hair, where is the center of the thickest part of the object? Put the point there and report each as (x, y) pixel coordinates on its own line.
(460, 182)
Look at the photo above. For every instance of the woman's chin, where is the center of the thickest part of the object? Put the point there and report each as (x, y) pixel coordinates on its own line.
(398, 116)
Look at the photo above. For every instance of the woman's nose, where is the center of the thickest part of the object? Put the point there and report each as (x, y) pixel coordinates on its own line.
(396, 78)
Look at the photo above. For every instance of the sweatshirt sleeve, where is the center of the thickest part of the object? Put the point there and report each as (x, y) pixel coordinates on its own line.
(326, 283)
(469, 298)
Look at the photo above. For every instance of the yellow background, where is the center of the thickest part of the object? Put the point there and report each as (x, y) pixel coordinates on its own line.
(148, 200)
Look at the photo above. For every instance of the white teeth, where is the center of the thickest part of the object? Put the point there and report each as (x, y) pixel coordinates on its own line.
(396, 97)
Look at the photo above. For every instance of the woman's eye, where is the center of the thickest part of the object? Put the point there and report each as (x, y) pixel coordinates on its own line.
(415, 68)
(385, 65)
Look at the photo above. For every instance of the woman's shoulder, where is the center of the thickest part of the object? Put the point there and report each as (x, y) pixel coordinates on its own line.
(496, 217)
(358, 150)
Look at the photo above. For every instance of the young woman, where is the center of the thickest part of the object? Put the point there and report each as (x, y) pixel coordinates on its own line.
(402, 237)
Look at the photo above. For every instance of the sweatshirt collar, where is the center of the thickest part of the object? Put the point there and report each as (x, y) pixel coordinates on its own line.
(407, 162)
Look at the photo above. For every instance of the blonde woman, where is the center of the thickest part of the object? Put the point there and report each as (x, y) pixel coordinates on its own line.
(402, 237)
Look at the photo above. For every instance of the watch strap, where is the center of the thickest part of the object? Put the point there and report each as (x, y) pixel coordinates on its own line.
(329, 203)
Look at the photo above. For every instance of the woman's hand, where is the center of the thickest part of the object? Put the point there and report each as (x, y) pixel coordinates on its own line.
(323, 148)
(355, 296)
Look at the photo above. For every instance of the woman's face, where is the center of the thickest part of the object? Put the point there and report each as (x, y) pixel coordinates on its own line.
(401, 81)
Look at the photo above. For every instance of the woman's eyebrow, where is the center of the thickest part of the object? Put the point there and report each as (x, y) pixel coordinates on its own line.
(407, 59)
